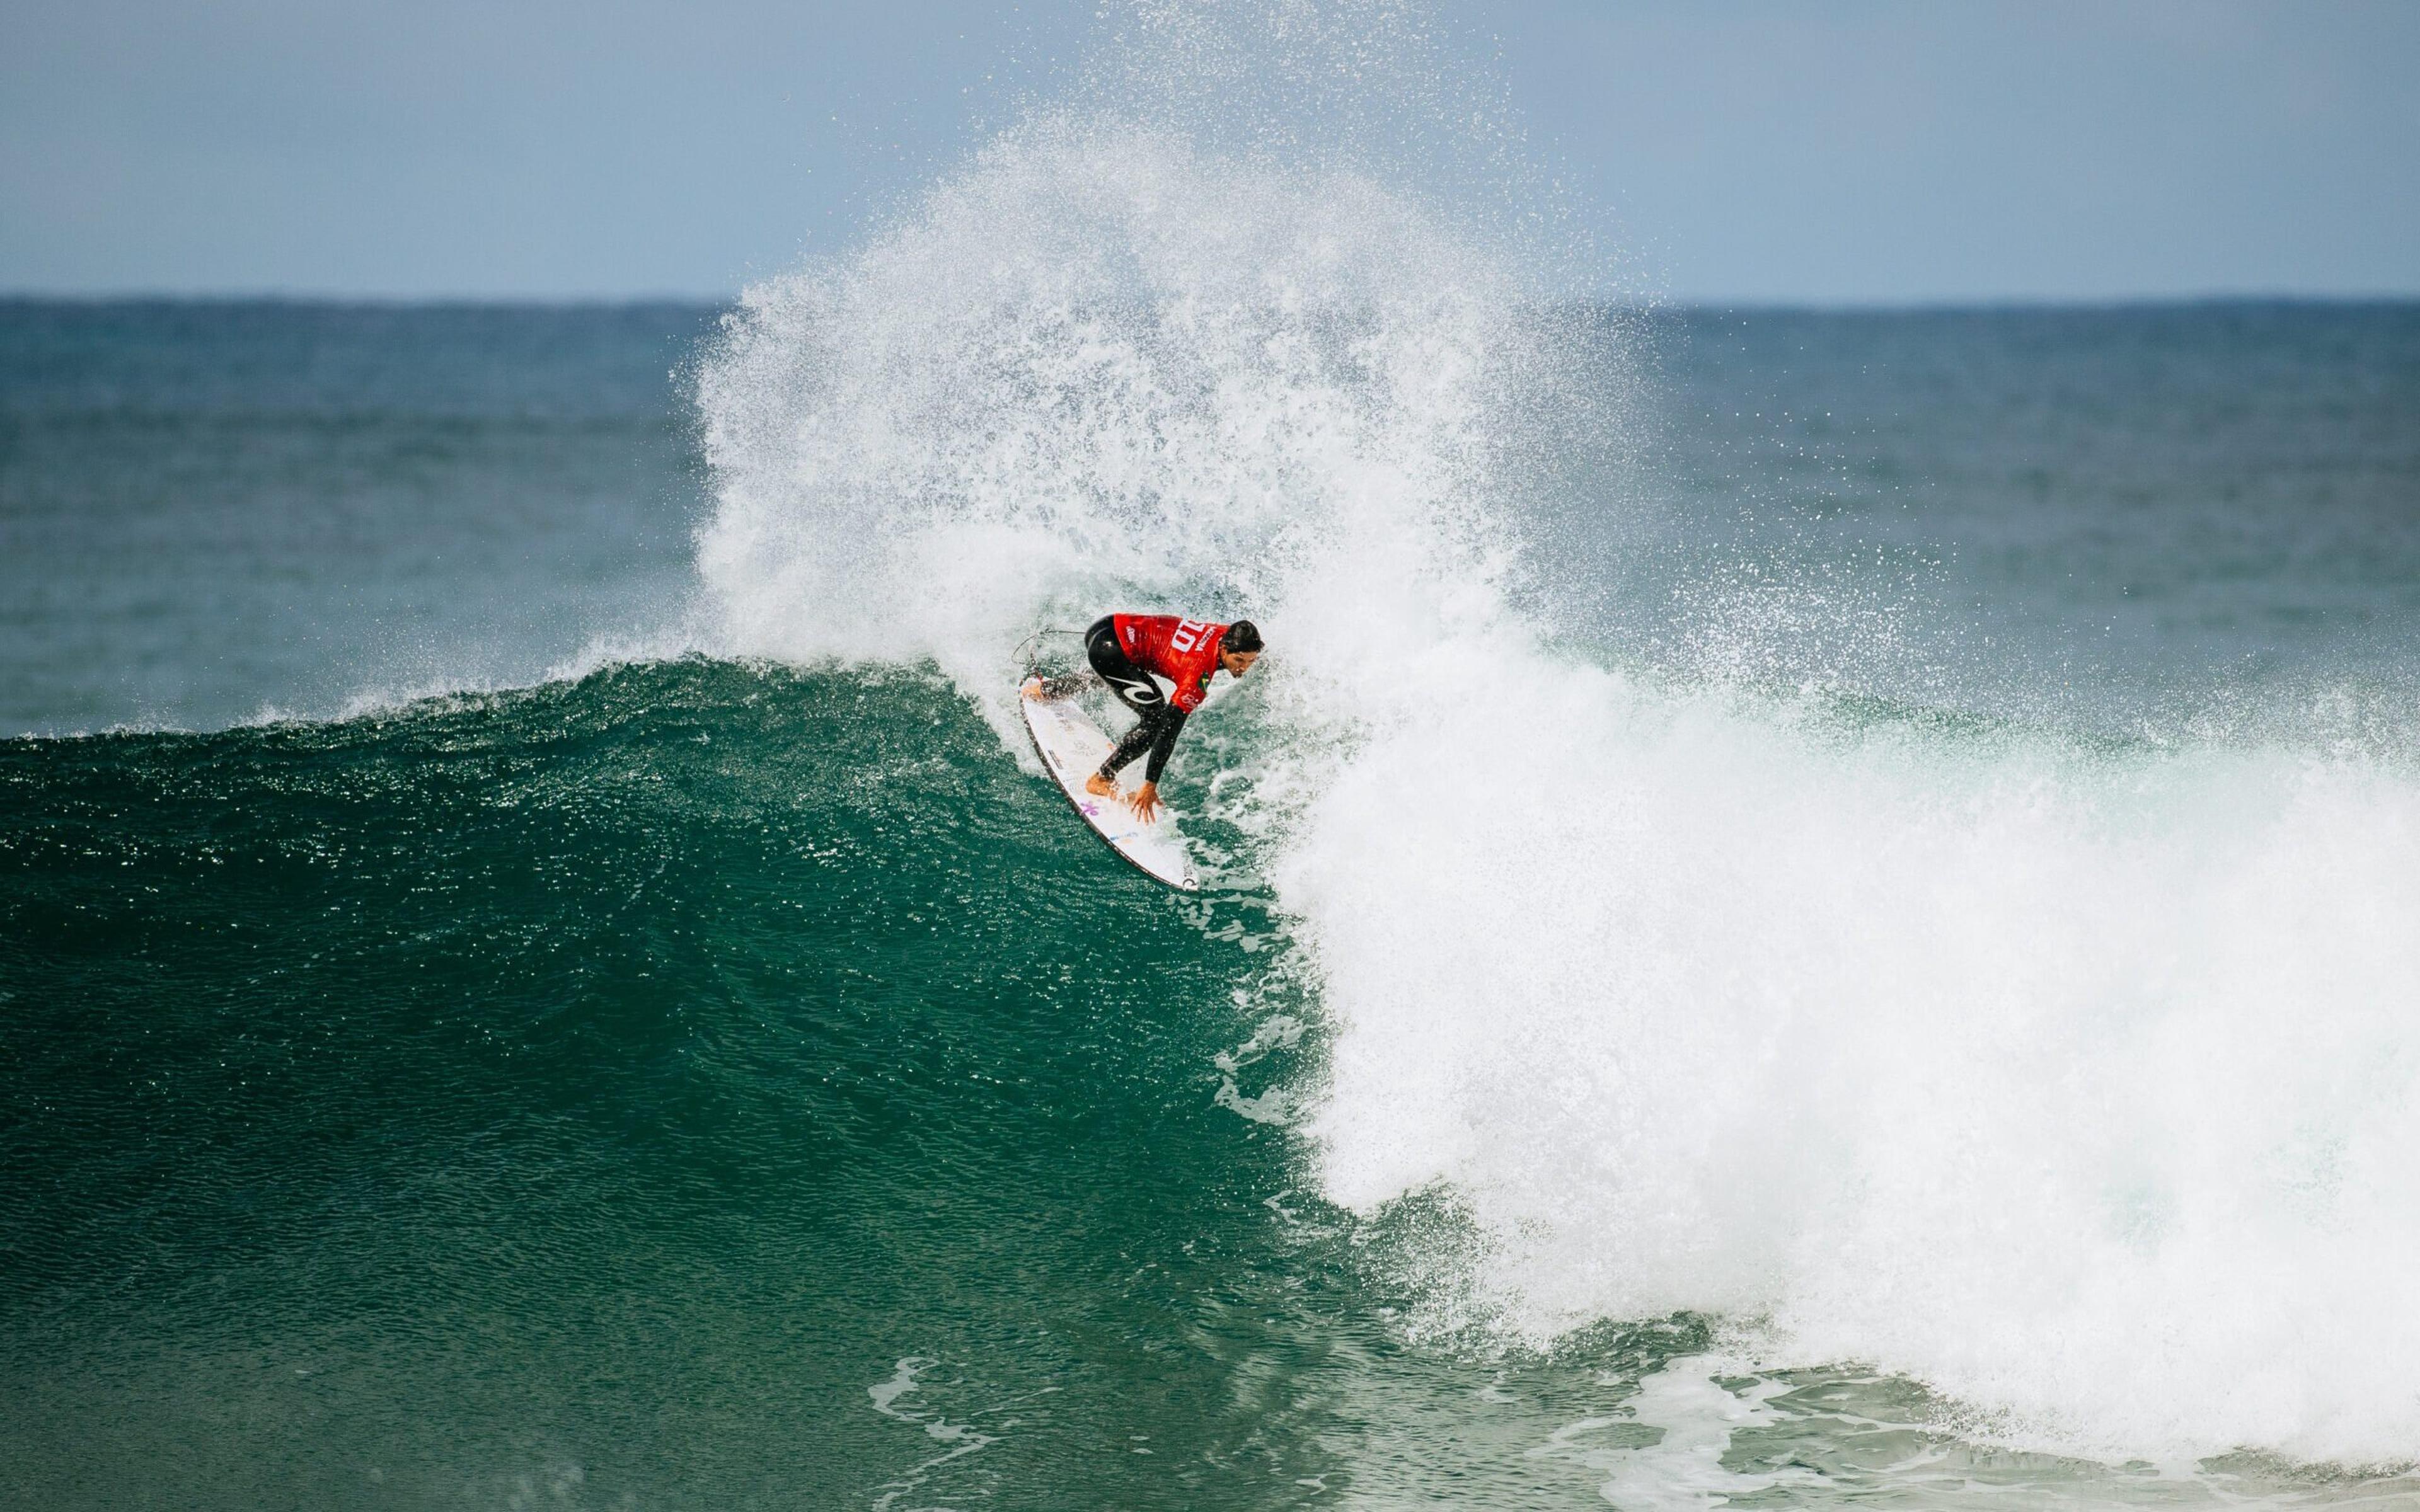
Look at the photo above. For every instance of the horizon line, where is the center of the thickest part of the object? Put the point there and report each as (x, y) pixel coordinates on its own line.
(1689, 305)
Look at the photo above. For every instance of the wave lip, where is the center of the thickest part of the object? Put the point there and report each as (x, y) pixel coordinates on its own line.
(2071, 1081)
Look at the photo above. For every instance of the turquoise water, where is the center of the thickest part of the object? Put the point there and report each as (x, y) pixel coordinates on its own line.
(581, 1081)
(701, 1085)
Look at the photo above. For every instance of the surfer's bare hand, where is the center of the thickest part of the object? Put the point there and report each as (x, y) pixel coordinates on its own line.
(1033, 690)
(1146, 802)
(1100, 787)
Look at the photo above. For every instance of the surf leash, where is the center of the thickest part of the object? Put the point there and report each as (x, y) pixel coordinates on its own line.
(1028, 652)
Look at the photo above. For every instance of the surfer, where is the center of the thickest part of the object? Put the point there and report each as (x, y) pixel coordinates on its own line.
(1126, 650)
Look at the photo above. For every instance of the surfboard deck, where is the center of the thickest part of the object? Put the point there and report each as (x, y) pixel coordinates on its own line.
(1071, 749)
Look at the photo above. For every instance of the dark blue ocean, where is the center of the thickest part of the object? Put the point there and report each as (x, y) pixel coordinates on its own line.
(1813, 909)
(220, 512)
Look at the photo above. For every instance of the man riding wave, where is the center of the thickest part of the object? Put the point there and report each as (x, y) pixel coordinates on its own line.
(1126, 650)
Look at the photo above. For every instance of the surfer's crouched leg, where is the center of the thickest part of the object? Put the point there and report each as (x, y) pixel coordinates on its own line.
(1069, 685)
(1130, 683)
(1137, 741)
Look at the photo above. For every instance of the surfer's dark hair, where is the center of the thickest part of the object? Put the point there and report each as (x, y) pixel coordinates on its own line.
(1241, 637)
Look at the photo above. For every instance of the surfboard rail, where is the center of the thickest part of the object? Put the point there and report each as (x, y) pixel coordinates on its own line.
(1071, 748)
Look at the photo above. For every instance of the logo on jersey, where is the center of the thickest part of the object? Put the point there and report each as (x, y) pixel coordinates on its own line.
(1186, 635)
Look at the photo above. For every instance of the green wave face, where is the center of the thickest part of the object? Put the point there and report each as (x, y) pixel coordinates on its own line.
(708, 1085)
(616, 1081)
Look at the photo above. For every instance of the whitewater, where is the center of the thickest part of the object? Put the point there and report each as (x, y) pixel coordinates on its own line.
(2072, 1077)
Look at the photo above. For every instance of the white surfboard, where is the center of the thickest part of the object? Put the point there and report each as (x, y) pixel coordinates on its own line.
(1072, 749)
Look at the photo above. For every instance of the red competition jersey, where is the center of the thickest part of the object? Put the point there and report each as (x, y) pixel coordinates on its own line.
(1186, 652)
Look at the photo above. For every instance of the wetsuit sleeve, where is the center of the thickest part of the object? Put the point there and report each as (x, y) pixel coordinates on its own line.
(1169, 723)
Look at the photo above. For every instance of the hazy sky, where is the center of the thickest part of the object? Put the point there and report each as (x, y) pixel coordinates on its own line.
(1822, 152)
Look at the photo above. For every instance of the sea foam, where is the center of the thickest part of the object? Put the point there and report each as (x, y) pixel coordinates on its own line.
(2080, 1083)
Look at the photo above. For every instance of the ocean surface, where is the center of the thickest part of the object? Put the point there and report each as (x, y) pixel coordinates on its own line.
(1808, 909)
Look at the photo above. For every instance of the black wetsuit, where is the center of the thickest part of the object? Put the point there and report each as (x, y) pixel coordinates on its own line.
(1160, 722)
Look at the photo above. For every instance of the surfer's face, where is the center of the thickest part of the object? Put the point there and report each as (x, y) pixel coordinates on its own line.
(1238, 663)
